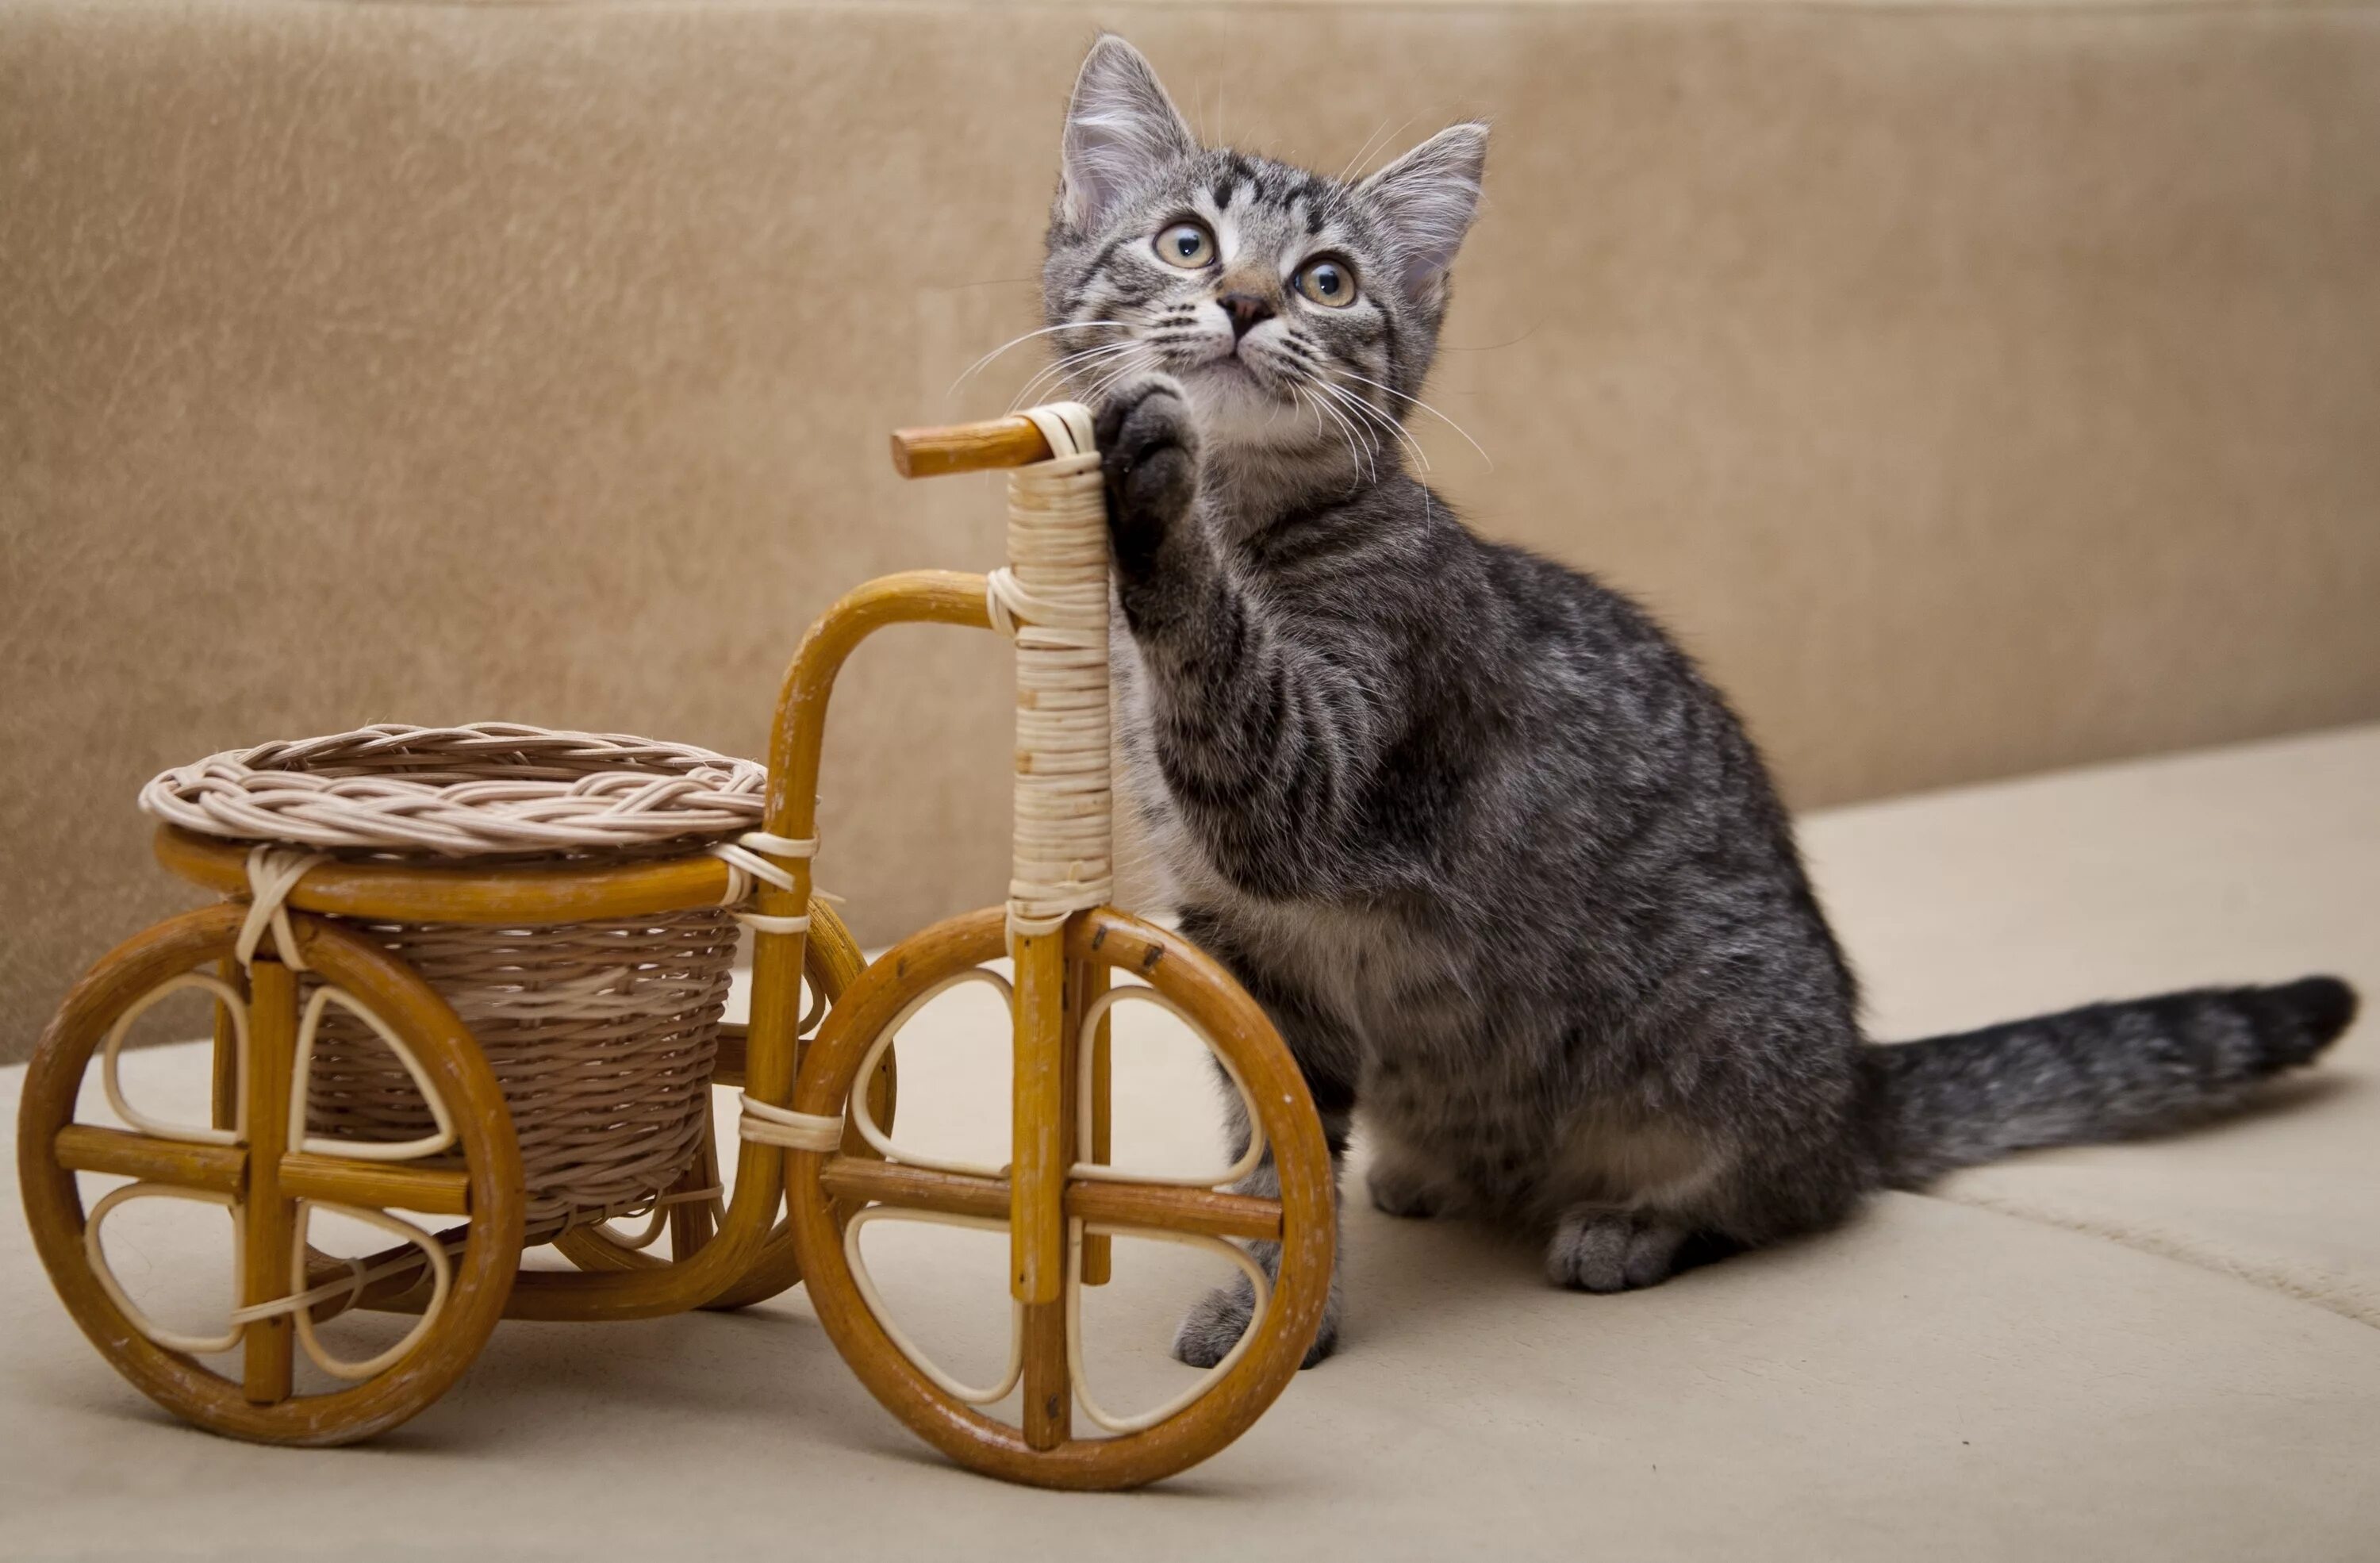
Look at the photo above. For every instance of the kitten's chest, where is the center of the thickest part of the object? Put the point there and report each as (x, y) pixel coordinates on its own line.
(1165, 845)
(1363, 970)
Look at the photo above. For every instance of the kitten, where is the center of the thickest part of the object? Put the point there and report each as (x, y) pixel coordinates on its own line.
(1498, 862)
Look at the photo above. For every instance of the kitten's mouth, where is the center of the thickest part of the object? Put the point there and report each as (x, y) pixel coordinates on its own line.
(1233, 372)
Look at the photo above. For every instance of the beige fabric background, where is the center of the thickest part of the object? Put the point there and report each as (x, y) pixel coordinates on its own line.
(1976, 388)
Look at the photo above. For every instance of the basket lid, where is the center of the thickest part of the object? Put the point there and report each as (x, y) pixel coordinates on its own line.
(491, 787)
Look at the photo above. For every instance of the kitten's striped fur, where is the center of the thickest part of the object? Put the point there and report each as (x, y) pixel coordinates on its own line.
(1500, 862)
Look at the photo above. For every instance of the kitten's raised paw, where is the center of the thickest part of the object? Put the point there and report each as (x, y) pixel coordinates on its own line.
(1148, 448)
(1597, 1251)
(1215, 1323)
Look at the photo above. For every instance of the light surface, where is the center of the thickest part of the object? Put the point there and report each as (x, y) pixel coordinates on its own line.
(2163, 1351)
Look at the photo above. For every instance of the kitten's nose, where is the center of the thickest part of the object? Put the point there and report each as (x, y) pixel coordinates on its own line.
(1246, 311)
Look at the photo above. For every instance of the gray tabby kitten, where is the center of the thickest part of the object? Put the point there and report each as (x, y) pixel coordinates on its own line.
(1502, 867)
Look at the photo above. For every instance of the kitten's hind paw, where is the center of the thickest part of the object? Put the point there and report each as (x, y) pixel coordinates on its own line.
(1597, 1251)
(1215, 1323)
(1398, 1191)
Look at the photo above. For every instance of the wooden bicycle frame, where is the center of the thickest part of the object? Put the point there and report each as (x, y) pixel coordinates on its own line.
(1044, 1108)
(1059, 1198)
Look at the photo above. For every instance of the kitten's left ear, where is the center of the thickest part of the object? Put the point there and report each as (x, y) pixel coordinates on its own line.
(1121, 130)
(1427, 198)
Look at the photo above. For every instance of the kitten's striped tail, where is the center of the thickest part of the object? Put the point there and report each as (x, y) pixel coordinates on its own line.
(2105, 1072)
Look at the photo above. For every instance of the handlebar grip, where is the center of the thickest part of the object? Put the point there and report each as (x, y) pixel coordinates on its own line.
(968, 447)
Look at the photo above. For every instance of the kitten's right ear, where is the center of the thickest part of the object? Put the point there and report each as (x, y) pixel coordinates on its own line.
(1121, 130)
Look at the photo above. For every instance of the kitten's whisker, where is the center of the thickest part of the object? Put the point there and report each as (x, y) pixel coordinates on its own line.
(1375, 415)
(1433, 412)
(1088, 354)
(1042, 382)
(1398, 432)
(1045, 330)
(1059, 368)
(1354, 454)
(1085, 360)
(1130, 367)
(1390, 426)
(1316, 406)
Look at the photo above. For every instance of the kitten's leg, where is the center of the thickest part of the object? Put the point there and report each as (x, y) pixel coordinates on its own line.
(1329, 1059)
(1751, 1200)
(1768, 1151)
(1269, 727)
(1215, 1323)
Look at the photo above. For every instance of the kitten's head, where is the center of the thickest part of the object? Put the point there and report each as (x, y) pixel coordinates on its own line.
(1301, 312)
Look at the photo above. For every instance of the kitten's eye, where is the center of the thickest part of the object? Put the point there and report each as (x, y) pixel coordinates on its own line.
(1186, 245)
(1328, 282)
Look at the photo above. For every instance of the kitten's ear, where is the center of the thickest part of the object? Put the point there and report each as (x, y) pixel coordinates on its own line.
(1427, 198)
(1121, 129)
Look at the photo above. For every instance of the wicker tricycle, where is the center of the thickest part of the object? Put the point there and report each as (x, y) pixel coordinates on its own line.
(475, 975)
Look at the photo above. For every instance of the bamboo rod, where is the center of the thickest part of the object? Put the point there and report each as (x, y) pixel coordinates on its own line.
(80, 1147)
(1016, 440)
(226, 1095)
(1048, 1397)
(689, 1220)
(1099, 1249)
(376, 1185)
(1049, 1391)
(1037, 1222)
(938, 597)
(729, 1069)
(1173, 1209)
(267, 1215)
(411, 893)
(854, 1181)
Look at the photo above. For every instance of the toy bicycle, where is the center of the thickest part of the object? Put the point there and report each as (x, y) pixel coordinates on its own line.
(475, 975)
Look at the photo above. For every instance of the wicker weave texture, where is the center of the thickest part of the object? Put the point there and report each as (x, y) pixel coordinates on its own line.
(490, 788)
(603, 1035)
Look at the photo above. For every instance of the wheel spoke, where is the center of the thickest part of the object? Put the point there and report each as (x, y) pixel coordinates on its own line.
(1154, 1206)
(1168, 1207)
(1049, 1372)
(434, 1190)
(333, 1180)
(267, 1214)
(81, 1148)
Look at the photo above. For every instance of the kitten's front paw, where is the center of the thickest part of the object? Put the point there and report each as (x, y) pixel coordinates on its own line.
(1602, 1252)
(1214, 1325)
(1150, 452)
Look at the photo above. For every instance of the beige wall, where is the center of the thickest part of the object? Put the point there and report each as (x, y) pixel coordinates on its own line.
(1976, 390)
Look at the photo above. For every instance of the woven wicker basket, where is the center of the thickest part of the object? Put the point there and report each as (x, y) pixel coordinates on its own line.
(602, 1034)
